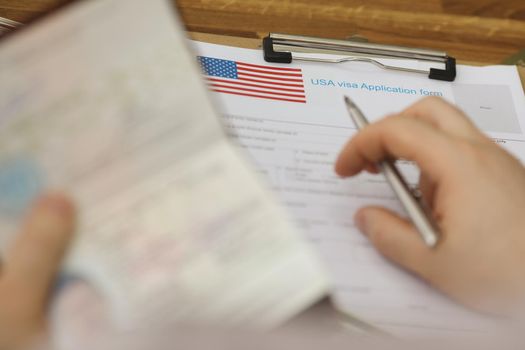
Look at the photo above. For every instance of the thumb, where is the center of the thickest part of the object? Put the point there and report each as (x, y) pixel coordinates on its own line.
(34, 260)
(395, 238)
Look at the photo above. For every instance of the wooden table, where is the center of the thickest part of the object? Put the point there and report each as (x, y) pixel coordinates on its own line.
(485, 31)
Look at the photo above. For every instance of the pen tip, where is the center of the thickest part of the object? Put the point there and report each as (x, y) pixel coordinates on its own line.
(349, 101)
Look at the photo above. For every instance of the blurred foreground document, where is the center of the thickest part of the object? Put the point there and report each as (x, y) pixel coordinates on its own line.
(173, 225)
(292, 120)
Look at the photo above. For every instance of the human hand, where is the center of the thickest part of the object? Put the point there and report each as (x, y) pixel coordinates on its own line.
(28, 271)
(476, 191)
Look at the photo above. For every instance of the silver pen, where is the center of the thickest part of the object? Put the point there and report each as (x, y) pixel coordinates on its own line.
(415, 209)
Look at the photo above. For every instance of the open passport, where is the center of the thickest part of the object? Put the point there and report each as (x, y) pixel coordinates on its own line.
(215, 207)
(103, 100)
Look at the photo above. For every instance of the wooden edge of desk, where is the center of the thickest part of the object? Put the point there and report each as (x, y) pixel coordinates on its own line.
(250, 43)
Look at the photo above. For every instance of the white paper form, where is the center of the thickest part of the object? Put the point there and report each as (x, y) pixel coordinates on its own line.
(295, 143)
(104, 100)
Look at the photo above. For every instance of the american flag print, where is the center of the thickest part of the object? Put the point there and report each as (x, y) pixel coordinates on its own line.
(253, 80)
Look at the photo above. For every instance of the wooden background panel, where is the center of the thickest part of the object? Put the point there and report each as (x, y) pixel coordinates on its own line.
(21, 10)
(467, 37)
(514, 9)
(483, 31)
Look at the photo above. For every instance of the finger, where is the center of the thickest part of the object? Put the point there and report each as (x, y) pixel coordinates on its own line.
(397, 137)
(444, 116)
(395, 238)
(427, 188)
(372, 168)
(34, 260)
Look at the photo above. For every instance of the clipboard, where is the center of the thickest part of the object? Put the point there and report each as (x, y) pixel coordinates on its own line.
(252, 43)
(324, 313)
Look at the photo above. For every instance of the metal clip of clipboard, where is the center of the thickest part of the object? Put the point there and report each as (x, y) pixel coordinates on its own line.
(284, 48)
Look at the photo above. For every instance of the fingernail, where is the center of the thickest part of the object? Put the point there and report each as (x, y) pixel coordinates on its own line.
(340, 171)
(51, 217)
(55, 202)
(337, 168)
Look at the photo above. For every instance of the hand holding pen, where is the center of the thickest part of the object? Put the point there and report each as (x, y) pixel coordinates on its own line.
(475, 192)
(422, 220)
